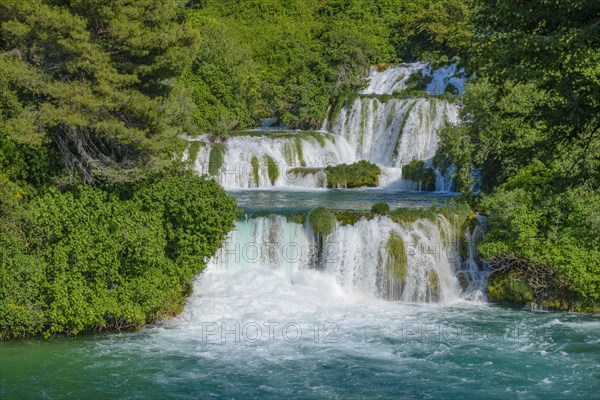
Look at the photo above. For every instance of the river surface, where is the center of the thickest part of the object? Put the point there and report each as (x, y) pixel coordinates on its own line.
(255, 333)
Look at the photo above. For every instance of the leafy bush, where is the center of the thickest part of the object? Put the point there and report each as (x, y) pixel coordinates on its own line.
(322, 221)
(550, 239)
(417, 171)
(509, 288)
(94, 259)
(380, 208)
(360, 174)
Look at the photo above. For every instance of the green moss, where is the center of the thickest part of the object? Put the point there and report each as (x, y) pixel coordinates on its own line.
(364, 118)
(510, 287)
(318, 137)
(380, 208)
(299, 152)
(322, 221)
(433, 285)
(272, 169)
(360, 174)
(352, 217)
(397, 264)
(289, 153)
(296, 217)
(417, 171)
(255, 169)
(216, 158)
(410, 215)
(193, 150)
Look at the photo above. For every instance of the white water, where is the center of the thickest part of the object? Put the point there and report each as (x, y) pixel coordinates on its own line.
(237, 170)
(352, 261)
(396, 132)
(389, 134)
(395, 78)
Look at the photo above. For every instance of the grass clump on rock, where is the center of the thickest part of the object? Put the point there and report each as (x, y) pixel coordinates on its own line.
(322, 221)
(380, 208)
(360, 174)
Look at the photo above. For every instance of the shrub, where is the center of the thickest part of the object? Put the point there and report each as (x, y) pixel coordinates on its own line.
(417, 171)
(322, 221)
(509, 288)
(380, 208)
(360, 174)
(96, 259)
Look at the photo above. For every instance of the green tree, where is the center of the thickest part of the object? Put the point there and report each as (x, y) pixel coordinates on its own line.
(93, 81)
(531, 136)
(93, 259)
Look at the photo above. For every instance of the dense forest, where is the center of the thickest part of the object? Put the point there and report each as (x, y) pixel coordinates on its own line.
(531, 139)
(101, 229)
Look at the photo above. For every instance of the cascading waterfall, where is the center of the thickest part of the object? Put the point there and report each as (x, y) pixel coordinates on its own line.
(396, 132)
(389, 132)
(409, 262)
(258, 159)
(396, 78)
(392, 132)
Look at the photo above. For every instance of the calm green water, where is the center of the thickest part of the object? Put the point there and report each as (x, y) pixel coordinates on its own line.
(340, 199)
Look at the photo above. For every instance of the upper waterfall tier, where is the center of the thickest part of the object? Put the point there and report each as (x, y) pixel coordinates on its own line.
(396, 132)
(396, 78)
(390, 131)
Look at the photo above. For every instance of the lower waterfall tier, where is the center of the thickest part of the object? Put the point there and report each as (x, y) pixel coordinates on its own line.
(425, 260)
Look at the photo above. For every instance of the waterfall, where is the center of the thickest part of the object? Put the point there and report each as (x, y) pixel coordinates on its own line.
(396, 78)
(410, 262)
(395, 132)
(257, 159)
(388, 131)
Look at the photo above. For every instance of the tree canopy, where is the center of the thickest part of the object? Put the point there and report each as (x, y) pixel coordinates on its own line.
(94, 83)
(530, 139)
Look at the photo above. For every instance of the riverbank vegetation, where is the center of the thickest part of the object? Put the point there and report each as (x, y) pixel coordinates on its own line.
(530, 143)
(99, 229)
